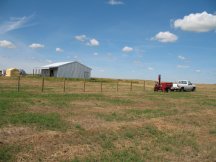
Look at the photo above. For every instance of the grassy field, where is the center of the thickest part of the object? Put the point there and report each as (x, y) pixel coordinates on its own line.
(124, 126)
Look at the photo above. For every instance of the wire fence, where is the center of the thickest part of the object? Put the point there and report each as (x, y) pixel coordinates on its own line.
(59, 85)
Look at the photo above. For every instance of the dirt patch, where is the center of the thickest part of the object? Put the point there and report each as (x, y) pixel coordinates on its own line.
(13, 134)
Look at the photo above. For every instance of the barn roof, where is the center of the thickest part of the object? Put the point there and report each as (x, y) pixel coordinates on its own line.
(57, 64)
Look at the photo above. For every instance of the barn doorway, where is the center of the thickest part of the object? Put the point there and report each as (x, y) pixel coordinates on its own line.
(51, 73)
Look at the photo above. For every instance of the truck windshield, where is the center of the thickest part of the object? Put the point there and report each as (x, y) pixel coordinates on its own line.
(189, 83)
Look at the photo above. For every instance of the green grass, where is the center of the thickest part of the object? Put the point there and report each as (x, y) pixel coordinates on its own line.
(50, 121)
(8, 152)
(114, 116)
(127, 155)
(133, 114)
(79, 127)
(116, 101)
(156, 139)
(22, 101)
(174, 141)
(13, 108)
(208, 102)
(163, 142)
(151, 113)
(212, 132)
(106, 140)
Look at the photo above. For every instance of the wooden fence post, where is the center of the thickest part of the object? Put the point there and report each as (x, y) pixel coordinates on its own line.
(84, 85)
(18, 84)
(101, 86)
(42, 88)
(117, 86)
(64, 84)
(144, 85)
(33, 72)
(131, 86)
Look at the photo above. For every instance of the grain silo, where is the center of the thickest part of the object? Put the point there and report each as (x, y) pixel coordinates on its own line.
(12, 72)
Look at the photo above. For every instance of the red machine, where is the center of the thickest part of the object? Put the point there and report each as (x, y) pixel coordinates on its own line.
(162, 86)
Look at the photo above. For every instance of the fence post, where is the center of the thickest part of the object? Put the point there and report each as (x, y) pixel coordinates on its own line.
(144, 85)
(84, 85)
(131, 86)
(101, 86)
(117, 86)
(42, 88)
(64, 84)
(18, 84)
(33, 72)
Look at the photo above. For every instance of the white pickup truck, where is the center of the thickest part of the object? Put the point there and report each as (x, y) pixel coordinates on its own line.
(183, 85)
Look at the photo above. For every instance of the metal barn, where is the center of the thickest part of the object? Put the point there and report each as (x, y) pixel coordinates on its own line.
(66, 70)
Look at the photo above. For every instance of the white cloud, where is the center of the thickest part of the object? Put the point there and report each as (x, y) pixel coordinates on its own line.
(93, 42)
(87, 41)
(6, 44)
(198, 22)
(198, 71)
(14, 23)
(81, 38)
(59, 50)
(165, 37)
(95, 54)
(127, 49)
(183, 66)
(150, 68)
(49, 61)
(115, 2)
(36, 45)
(181, 57)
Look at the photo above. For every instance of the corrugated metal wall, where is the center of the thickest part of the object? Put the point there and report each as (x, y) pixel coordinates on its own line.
(74, 70)
(45, 72)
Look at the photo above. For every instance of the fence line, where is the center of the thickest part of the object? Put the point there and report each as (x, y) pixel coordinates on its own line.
(42, 87)
(50, 84)
(64, 84)
(18, 84)
(144, 85)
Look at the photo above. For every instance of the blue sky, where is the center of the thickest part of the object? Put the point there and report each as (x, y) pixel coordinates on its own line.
(132, 39)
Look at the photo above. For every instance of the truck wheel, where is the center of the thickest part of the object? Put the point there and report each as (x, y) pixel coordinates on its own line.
(194, 88)
(182, 89)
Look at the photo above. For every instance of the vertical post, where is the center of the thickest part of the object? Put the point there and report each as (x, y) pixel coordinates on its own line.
(144, 85)
(84, 85)
(101, 86)
(42, 89)
(117, 86)
(18, 84)
(33, 72)
(131, 86)
(64, 84)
